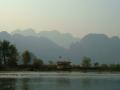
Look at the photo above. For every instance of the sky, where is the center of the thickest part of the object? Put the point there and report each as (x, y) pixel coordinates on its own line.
(78, 17)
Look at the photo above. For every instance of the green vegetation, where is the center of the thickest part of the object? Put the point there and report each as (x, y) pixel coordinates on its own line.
(86, 62)
(8, 54)
(26, 57)
(38, 62)
(10, 58)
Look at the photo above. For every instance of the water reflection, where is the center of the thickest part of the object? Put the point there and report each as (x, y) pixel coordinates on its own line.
(63, 83)
(25, 84)
(7, 84)
(46, 84)
(85, 83)
(60, 83)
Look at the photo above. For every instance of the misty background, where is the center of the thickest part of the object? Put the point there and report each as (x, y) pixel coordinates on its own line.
(79, 17)
(49, 45)
(68, 28)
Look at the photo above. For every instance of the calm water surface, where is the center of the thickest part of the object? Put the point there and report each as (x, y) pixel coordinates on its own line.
(62, 81)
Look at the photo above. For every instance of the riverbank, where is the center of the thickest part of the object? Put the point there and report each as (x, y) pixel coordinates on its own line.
(58, 74)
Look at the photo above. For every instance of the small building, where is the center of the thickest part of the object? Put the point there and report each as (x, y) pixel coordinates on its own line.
(63, 65)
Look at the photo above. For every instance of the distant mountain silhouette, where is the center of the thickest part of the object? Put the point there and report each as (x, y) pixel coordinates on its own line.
(26, 32)
(62, 39)
(42, 47)
(99, 47)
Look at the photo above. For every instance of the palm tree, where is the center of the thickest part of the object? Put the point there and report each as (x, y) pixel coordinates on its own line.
(8, 53)
(13, 55)
(5, 51)
(0, 53)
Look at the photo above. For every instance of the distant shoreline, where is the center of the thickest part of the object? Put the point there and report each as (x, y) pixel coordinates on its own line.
(29, 74)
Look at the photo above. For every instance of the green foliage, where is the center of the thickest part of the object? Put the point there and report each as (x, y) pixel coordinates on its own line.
(86, 62)
(96, 64)
(9, 57)
(8, 53)
(38, 62)
(26, 57)
(115, 67)
(5, 50)
(13, 55)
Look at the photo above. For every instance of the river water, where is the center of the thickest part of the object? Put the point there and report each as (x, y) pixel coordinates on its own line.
(59, 81)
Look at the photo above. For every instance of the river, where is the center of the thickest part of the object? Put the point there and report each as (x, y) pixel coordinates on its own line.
(59, 81)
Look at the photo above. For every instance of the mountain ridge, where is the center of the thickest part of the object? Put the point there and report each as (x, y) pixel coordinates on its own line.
(99, 47)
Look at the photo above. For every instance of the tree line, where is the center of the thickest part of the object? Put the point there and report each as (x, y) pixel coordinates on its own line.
(9, 55)
(10, 58)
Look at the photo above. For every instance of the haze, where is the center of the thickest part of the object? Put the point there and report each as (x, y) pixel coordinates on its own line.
(78, 17)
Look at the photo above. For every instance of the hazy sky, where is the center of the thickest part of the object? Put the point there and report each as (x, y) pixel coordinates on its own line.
(78, 17)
